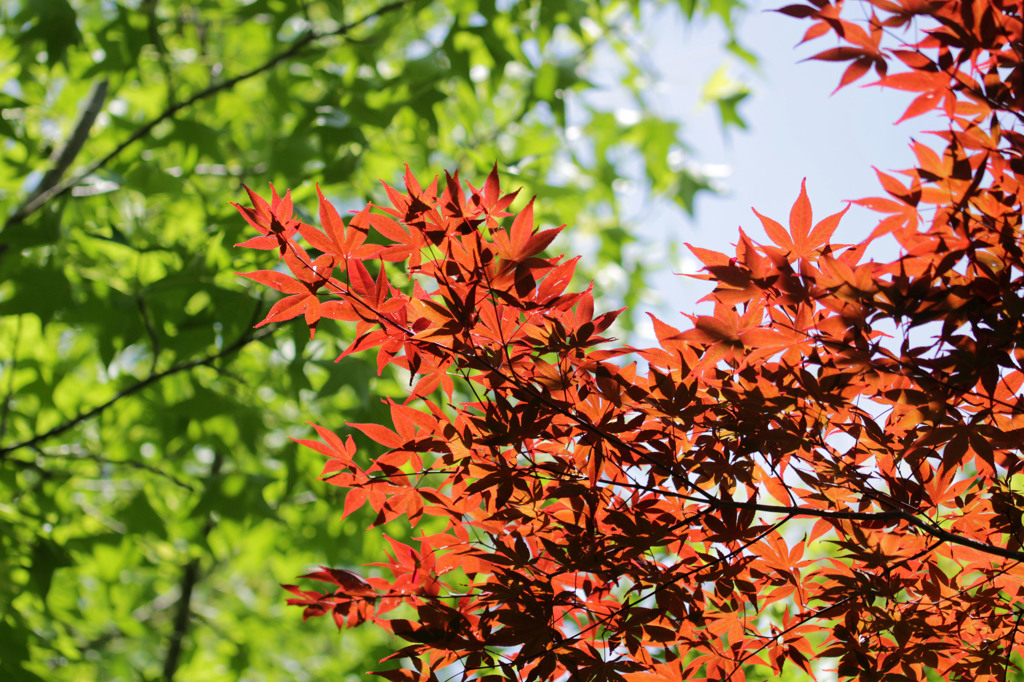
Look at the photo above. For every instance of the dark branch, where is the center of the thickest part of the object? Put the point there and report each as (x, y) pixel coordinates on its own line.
(181, 618)
(189, 578)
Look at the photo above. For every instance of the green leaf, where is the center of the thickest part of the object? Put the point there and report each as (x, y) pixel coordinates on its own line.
(727, 110)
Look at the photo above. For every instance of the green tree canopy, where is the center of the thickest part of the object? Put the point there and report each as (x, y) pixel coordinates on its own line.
(150, 498)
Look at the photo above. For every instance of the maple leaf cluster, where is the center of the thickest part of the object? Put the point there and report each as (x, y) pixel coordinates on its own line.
(826, 468)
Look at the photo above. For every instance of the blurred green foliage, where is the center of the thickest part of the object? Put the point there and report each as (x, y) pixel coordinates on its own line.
(150, 498)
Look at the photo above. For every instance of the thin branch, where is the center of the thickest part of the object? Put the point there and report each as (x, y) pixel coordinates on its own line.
(244, 340)
(928, 527)
(301, 43)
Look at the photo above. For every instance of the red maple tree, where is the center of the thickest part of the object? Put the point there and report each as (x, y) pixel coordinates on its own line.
(609, 520)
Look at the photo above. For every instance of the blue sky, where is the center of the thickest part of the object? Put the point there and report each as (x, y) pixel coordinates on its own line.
(796, 129)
